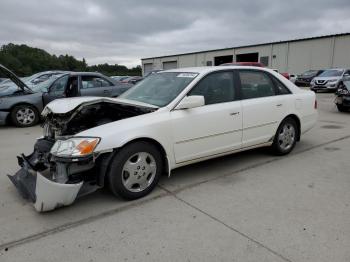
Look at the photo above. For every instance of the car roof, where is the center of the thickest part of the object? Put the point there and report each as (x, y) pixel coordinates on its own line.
(86, 73)
(208, 69)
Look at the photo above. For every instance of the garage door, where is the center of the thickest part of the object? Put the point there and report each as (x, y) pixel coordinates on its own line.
(147, 68)
(169, 65)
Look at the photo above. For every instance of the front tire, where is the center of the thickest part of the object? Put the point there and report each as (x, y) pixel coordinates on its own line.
(24, 116)
(135, 170)
(286, 137)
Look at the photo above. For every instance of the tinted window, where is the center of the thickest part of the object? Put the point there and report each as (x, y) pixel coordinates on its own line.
(216, 88)
(94, 82)
(59, 85)
(256, 84)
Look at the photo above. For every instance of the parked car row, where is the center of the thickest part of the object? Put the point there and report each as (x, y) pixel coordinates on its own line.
(21, 103)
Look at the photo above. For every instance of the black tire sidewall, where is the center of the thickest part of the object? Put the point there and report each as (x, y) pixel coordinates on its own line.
(340, 108)
(275, 146)
(115, 171)
(14, 118)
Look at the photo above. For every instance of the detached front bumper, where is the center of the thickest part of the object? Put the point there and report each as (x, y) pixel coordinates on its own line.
(50, 183)
(45, 194)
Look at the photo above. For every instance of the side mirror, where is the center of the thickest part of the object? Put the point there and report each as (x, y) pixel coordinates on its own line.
(191, 102)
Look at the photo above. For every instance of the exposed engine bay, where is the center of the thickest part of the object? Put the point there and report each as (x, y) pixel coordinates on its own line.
(51, 181)
(89, 116)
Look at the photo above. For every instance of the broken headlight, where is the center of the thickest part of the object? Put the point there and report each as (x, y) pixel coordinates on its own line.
(75, 146)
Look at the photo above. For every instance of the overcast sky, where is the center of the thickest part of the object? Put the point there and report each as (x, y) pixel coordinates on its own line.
(123, 32)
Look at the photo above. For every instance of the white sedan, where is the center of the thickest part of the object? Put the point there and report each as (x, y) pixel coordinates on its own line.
(170, 119)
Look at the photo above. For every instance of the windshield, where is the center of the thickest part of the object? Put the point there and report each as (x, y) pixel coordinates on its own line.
(333, 72)
(309, 73)
(44, 86)
(159, 89)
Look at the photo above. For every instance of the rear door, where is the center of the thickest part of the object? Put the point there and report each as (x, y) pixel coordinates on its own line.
(262, 107)
(92, 85)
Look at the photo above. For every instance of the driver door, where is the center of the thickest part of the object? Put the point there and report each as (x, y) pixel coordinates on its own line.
(56, 90)
(214, 128)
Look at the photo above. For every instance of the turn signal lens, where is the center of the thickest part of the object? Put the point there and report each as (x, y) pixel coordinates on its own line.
(87, 147)
(315, 105)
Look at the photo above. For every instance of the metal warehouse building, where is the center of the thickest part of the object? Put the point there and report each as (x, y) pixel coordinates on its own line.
(293, 56)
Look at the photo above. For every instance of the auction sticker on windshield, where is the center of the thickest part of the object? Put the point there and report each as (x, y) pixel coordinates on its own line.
(188, 75)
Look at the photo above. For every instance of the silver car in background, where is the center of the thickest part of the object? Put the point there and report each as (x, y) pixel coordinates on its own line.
(329, 80)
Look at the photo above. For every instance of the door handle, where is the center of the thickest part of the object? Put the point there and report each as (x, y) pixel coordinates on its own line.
(234, 113)
(279, 105)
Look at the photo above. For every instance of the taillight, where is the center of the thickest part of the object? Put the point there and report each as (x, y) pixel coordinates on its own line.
(315, 105)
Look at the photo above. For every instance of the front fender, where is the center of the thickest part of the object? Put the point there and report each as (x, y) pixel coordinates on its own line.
(153, 126)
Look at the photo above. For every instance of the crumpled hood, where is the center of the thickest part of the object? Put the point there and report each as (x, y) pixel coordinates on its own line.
(65, 105)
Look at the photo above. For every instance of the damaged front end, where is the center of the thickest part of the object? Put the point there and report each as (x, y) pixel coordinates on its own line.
(52, 181)
(64, 165)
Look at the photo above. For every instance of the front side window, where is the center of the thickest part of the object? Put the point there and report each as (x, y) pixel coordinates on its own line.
(159, 89)
(58, 87)
(94, 82)
(216, 88)
(255, 84)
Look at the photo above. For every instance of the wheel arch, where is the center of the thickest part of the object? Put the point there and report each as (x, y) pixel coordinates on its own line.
(107, 160)
(158, 145)
(297, 120)
(24, 103)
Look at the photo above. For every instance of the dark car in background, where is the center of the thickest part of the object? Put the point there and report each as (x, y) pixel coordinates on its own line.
(305, 78)
(119, 78)
(132, 80)
(23, 106)
(342, 99)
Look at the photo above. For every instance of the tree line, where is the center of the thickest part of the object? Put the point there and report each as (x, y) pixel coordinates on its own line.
(25, 60)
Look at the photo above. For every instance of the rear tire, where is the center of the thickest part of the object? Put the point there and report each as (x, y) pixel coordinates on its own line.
(286, 137)
(135, 170)
(24, 116)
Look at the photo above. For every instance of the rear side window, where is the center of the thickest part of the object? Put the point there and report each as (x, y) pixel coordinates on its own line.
(281, 89)
(255, 84)
(94, 82)
(216, 88)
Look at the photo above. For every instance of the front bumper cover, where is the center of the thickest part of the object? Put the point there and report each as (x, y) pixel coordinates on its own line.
(50, 182)
(45, 194)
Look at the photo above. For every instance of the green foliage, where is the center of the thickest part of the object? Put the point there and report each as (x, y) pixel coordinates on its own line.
(25, 60)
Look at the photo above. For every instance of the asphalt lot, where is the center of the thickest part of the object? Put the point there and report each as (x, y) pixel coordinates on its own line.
(250, 206)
